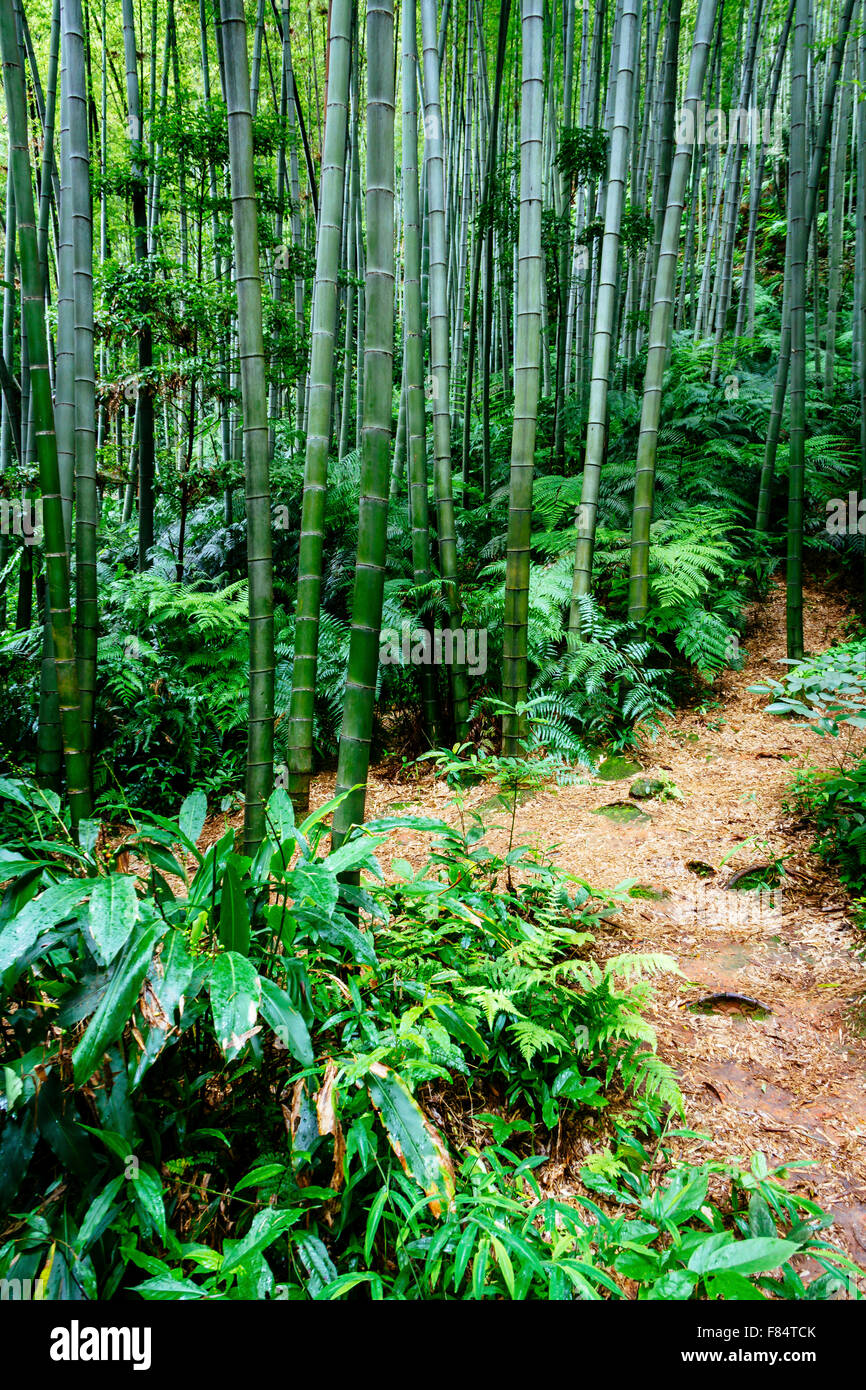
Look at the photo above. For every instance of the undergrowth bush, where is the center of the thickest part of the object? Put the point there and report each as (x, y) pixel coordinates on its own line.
(215, 1067)
(828, 693)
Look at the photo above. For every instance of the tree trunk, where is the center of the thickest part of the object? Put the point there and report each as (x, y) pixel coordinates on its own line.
(366, 609)
(248, 287)
(527, 361)
(323, 334)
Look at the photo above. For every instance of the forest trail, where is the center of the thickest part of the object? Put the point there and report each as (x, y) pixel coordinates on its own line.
(793, 1084)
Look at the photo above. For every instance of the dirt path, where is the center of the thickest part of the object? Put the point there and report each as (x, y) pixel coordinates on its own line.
(791, 1084)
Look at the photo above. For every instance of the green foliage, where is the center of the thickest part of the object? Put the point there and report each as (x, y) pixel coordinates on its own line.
(582, 154)
(607, 682)
(828, 691)
(836, 804)
(204, 1004)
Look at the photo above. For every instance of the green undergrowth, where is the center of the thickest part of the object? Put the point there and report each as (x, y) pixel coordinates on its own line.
(217, 1074)
(827, 692)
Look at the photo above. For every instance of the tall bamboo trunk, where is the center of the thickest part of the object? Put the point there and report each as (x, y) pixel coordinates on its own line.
(323, 333)
(86, 506)
(605, 313)
(357, 729)
(248, 287)
(145, 337)
(56, 557)
(661, 322)
(797, 235)
(439, 346)
(527, 362)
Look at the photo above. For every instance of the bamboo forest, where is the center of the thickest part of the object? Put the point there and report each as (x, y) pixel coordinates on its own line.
(433, 655)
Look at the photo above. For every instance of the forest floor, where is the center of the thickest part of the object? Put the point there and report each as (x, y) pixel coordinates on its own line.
(789, 1081)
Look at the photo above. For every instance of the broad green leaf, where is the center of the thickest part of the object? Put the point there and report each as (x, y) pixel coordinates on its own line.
(193, 814)
(14, 791)
(172, 971)
(13, 866)
(112, 914)
(676, 1285)
(411, 1136)
(88, 834)
(147, 1185)
(267, 1226)
(311, 882)
(761, 1221)
(322, 811)
(60, 1129)
(234, 922)
(680, 1199)
(281, 815)
(12, 1088)
(116, 1006)
(349, 939)
(259, 1176)
(98, 1215)
(503, 1259)
(731, 1286)
(316, 1261)
(640, 1265)
(235, 994)
(354, 853)
(390, 823)
(345, 1282)
(824, 1286)
(116, 1143)
(744, 1256)
(17, 1143)
(165, 1286)
(209, 872)
(458, 1027)
(373, 1219)
(162, 858)
(278, 1010)
(54, 905)
(169, 976)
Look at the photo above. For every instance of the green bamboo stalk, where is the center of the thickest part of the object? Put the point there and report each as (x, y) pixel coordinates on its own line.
(49, 740)
(413, 340)
(605, 317)
(439, 362)
(797, 235)
(836, 208)
(661, 322)
(86, 508)
(861, 246)
(527, 363)
(248, 287)
(33, 306)
(815, 164)
(324, 330)
(354, 756)
(145, 338)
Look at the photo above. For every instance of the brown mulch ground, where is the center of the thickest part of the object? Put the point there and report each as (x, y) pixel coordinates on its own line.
(792, 1084)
